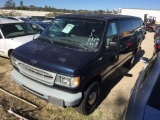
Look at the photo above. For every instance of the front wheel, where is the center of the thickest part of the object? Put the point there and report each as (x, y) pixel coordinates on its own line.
(90, 99)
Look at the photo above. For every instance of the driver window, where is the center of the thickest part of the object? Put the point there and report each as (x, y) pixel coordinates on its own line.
(112, 34)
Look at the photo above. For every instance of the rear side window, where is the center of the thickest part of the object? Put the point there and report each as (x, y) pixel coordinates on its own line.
(136, 23)
(16, 29)
(126, 30)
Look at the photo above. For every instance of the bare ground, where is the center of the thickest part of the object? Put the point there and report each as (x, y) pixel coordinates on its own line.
(115, 94)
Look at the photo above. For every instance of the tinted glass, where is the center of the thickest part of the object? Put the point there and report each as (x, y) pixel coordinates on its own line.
(36, 28)
(136, 23)
(25, 19)
(12, 18)
(44, 25)
(126, 29)
(16, 29)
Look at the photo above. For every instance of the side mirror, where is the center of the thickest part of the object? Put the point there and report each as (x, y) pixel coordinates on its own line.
(113, 46)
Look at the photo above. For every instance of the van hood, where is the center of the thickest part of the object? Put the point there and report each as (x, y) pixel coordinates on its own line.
(51, 57)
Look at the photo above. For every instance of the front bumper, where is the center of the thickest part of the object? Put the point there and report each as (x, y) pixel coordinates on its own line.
(54, 96)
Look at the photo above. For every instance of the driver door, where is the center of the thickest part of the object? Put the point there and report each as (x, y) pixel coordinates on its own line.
(2, 44)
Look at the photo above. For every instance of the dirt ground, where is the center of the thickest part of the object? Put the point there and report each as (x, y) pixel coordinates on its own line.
(114, 98)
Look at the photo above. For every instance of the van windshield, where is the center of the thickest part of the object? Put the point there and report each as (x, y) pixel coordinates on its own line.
(12, 30)
(84, 33)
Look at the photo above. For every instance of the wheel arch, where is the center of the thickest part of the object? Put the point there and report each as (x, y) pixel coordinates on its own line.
(96, 78)
(9, 52)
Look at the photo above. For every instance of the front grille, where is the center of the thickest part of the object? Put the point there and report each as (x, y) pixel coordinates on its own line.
(37, 74)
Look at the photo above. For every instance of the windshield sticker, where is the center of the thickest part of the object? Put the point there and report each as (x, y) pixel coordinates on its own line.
(19, 27)
(68, 28)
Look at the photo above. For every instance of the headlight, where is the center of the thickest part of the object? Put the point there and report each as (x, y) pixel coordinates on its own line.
(14, 61)
(72, 82)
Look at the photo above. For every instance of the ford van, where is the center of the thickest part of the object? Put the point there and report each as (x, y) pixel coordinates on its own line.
(66, 64)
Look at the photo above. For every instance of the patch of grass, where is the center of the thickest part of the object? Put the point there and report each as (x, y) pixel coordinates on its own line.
(99, 114)
(114, 116)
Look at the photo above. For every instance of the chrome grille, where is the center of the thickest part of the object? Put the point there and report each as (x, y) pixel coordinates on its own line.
(37, 74)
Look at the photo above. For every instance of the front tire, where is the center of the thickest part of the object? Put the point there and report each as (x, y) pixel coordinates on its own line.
(90, 99)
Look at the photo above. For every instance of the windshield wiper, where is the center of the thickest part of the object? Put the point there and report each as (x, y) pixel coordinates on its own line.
(48, 38)
(76, 43)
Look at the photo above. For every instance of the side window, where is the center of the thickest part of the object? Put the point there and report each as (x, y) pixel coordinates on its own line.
(36, 28)
(112, 34)
(126, 30)
(136, 24)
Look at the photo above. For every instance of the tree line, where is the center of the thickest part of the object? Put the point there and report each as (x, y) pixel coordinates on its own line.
(10, 4)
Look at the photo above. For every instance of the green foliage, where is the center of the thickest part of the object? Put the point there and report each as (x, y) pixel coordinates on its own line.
(10, 4)
(21, 3)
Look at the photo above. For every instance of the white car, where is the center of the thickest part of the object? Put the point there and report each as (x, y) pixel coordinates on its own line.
(13, 34)
(19, 18)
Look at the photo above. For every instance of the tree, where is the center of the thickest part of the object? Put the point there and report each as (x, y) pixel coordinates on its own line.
(22, 7)
(10, 4)
(21, 3)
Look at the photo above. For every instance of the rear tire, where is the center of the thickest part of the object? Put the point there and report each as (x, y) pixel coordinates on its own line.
(90, 99)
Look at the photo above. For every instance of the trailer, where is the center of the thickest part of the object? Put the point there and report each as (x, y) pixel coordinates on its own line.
(141, 13)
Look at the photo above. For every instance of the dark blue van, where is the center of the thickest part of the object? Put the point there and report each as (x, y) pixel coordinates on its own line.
(67, 63)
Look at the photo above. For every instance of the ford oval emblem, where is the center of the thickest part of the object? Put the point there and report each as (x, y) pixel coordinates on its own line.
(33, 61)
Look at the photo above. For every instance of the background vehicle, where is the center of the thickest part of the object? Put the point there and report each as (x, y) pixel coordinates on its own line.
(48, 19)
(80, 52)
(37, 26)
(156, 45)
(38, 18)
(19, 18)
(150, 23)
(144, 102)
(13, 33)
(157, 32)
(1, 16)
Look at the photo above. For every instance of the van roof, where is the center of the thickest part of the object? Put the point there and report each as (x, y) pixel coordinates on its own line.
(98, 16)
(6, 21)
